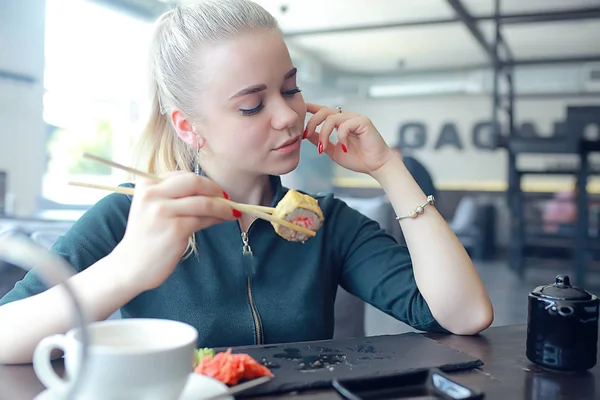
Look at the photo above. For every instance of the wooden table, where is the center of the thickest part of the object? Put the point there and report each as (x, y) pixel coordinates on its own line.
(506, 375)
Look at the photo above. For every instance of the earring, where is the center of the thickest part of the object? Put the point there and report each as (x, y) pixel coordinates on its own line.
(197, 170)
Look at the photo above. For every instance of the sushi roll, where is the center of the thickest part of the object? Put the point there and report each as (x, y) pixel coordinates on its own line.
(299, 209)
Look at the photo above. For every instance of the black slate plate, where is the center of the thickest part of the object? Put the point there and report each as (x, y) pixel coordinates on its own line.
(314, 365)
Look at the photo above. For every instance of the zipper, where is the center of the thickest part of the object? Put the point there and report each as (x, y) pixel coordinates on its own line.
(246, 249)
(247, 252)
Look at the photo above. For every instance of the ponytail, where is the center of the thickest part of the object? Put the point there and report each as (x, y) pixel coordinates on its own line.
(159, 150)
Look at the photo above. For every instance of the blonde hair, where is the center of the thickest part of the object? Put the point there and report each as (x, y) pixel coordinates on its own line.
(175, 77)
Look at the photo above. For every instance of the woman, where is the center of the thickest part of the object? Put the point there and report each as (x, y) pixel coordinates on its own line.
(228, 119)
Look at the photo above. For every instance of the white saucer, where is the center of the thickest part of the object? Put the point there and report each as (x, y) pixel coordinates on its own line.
(198, 387)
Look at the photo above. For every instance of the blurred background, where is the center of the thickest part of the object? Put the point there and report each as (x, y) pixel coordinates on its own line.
(494, 103)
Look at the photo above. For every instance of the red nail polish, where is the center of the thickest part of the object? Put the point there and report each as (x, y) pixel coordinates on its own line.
(320, 147)
(237, 213)
(344, 149)
(225, 195)
(305, 134)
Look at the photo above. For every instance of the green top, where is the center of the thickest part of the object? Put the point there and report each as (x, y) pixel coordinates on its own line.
(283, 292)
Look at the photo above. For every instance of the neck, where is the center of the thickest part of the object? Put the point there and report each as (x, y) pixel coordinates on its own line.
(242, 186)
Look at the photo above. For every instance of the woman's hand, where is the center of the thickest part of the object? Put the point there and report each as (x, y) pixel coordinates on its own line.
(162, 217)
(359, 147)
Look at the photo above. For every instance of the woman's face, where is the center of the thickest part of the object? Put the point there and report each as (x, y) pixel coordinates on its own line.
(252, 113)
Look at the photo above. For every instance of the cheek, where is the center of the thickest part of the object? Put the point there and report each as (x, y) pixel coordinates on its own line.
(250, 132)
(299, 106)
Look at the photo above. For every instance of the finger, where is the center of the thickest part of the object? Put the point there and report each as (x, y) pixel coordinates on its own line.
(315, 121)
(331, 122)
(329, 149)
(344, 130)
(195, 224)
(314, 108)
(142, 183)
(197, 206)
(353, 126)
(188, 184)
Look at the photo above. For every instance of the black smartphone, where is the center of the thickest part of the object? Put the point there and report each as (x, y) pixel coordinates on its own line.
(427, 384)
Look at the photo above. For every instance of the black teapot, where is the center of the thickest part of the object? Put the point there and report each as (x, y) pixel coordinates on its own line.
(562, 327)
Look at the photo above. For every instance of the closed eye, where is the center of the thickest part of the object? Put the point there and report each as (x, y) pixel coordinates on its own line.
(290, 93)
(252, 111)
(256, 110)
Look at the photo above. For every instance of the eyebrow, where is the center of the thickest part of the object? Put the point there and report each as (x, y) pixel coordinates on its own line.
(259, 88)
(290, 74)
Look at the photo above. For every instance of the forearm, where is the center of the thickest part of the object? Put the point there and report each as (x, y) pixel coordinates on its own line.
(101, 290)
(443, 270)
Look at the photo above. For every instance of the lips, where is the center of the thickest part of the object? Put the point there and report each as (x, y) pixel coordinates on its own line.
(289, 142)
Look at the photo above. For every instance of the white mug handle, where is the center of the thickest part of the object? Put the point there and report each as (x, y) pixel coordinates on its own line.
(42, 362)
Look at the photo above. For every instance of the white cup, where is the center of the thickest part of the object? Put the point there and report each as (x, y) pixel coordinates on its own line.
(129, 359)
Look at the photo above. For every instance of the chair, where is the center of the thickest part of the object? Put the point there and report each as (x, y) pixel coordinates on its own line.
(353, 317)
(465, 218)
(473, 223)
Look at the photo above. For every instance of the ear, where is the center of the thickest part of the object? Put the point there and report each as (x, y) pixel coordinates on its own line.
(185, 130)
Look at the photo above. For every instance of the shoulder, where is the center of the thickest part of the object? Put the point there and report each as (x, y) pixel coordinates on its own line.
(97, 232)
(111, 211)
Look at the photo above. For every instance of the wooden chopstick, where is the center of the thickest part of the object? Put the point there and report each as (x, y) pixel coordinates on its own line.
(122, 190)
(268, 210)
(122, 167)
(156, 178)
(247, 208)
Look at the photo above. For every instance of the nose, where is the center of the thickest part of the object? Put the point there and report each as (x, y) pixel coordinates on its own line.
(284, 117)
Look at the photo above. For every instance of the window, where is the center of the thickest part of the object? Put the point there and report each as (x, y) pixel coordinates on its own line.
(95, 87)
